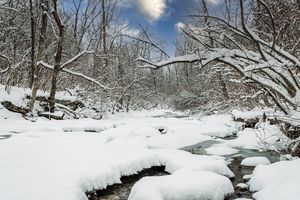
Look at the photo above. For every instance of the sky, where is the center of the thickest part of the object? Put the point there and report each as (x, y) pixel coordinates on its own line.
(159, 16)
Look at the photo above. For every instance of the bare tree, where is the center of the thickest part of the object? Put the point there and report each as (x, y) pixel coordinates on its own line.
(40, 52)
(241, 47)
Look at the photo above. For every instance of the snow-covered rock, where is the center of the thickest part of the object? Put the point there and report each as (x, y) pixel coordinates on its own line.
(254, 161)
(278, 181)
(186, 162)
(183, 186)
(247, 177)
(242, 186)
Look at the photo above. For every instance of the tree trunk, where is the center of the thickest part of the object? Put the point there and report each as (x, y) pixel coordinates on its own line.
(32, 56)
(58, 57)
(41, 49)
(103, 27)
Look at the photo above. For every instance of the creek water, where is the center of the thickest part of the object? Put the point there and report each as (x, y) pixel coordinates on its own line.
(121, 191)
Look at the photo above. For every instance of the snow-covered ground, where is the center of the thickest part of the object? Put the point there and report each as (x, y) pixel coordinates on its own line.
(278, 181)
(18, 96)
(64, 159)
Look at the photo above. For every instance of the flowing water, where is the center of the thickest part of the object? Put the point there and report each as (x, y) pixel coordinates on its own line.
(121, 191)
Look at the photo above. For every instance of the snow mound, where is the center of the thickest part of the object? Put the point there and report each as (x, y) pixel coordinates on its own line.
(221, 150)
(219, 125)
(254, 161)
(278, 181)
(185, 186)
(266, 137)
(187, 162)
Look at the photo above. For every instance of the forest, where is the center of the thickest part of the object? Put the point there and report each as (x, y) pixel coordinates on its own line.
(96, 102)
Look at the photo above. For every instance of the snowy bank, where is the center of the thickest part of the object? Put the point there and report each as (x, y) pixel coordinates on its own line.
(278, 181)
(62, 160)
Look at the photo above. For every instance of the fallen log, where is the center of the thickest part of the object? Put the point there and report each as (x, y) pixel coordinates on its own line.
(73, 105)
(13, 108)
(56, 115)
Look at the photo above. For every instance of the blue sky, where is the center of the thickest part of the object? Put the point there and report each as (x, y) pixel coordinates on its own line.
(160, 16)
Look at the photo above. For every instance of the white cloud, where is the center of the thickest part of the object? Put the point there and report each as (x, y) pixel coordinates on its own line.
(153, 10)
(124, 28)
(179, 26)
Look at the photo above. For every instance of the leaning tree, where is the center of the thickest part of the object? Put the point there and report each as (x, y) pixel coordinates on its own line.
(256, 56)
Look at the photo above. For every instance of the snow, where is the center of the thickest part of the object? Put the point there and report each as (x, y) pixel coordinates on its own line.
(242, 199)
(266, 137)
(254, 161)
(60, 160)
(55, 114)
(17, 95)
(221, 150)
(186, 162)
(247, 176)
(6, 114)
(242, 186)
(219, 125)
(252, 114)
(184, 186)
(277, 181)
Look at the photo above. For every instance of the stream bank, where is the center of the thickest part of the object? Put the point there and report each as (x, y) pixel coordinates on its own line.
(122, 191)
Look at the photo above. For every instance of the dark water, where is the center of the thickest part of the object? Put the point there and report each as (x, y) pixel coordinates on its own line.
(122, 191)
(239, 172)
(235, 161)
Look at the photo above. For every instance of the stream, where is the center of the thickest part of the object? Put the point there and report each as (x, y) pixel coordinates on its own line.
(122, 191)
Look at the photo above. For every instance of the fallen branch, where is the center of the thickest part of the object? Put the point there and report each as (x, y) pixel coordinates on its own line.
(13, 108)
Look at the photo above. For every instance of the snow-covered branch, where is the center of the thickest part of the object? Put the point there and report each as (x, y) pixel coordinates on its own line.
(9, 8)
(75, 58)
(68, 71)
(192, 58)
